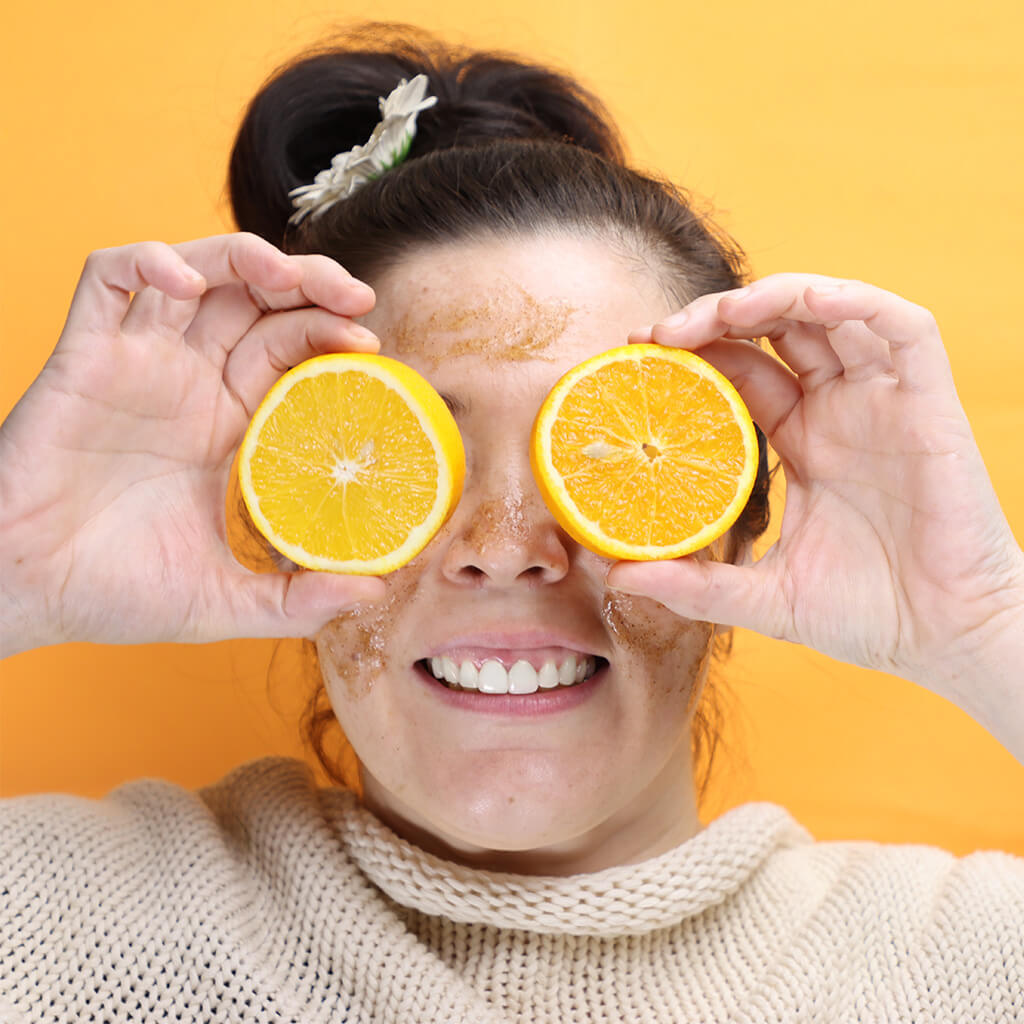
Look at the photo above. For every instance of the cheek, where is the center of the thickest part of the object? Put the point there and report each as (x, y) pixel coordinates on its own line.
(671, 651)
(356, 648)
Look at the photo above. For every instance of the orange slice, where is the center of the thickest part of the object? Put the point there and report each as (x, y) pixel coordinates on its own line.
(351, 464)
(644, 452)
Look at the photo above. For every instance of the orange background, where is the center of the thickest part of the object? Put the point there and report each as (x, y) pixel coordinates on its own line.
(867, 140)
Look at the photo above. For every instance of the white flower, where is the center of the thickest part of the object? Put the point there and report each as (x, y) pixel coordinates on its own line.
(387, 147)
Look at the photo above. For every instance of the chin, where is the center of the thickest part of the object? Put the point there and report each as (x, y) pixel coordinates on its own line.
(510, 801)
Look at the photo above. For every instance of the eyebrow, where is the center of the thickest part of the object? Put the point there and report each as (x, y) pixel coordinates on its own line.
(456, 406)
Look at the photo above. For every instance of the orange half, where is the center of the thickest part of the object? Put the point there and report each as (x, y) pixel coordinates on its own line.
(644, 452)
(351, 464)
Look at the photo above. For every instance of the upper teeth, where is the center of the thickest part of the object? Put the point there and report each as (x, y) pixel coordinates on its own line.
(491, 676)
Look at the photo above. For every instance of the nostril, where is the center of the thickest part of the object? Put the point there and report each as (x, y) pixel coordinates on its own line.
(504, 539)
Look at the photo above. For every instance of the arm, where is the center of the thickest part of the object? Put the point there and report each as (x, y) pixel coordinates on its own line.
(894, 552)
(114, 464)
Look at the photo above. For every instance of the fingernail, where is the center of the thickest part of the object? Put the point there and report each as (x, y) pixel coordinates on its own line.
(357, 332)
(612, 585)
(825, 289)
(370, 594)
(620, 589)
(740, 293)
(363, 287)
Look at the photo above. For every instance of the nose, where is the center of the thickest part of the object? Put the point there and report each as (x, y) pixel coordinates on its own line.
(504, 535)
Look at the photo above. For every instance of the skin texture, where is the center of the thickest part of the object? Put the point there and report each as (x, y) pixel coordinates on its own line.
(608, 781)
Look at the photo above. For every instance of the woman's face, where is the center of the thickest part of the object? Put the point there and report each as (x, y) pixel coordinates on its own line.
(569, 778)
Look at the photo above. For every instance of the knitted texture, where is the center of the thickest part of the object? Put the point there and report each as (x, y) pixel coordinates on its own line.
(265, 899)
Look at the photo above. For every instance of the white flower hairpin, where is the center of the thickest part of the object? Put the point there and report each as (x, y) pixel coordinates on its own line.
(387, 147)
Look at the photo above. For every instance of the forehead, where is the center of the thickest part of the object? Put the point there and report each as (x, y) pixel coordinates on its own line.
(533, 300)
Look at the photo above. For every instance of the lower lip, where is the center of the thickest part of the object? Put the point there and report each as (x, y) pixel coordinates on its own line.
(542, 702)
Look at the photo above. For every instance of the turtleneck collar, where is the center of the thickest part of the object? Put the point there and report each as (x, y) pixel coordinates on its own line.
(627, 900)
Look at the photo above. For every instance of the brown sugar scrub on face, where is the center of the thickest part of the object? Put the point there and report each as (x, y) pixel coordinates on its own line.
(652, 632)
(496, 522)
(353, 647)
(530, 326)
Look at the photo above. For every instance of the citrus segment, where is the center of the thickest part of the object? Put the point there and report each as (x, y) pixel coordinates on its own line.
(351, 464)
(644, 452)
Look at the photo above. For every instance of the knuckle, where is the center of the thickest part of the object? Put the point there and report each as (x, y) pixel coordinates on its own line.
(926, 320)
(152, 252)
(96, 260)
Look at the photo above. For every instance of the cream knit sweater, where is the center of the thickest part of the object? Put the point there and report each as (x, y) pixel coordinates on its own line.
(264, 899)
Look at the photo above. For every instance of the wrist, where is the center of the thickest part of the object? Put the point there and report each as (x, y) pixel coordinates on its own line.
(23, 597)
(984, 674)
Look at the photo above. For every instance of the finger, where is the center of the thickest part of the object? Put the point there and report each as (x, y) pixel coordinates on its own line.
(279, 341)
(224, 317)
(227, 313)
(817, 348)
(325, 283)
(154, 312)
(701, 320)
(871, 332)
(768, 388)
(706, 591)
(862, 354)
(804, 347)
(274, 279)
(111, 276)
(910, 331)
(293, 604)
(241, 258)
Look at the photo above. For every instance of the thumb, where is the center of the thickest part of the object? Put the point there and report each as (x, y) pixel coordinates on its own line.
(295, 604)
(719, 592)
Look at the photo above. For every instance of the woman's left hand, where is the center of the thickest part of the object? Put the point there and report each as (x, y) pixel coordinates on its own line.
(894, 553)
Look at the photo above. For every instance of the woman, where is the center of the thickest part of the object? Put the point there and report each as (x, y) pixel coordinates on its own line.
(531, 856)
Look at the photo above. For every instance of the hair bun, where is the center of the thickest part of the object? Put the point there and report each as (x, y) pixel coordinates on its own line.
(327, 101)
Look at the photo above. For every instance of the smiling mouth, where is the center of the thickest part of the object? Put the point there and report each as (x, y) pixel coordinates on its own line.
(492, 676)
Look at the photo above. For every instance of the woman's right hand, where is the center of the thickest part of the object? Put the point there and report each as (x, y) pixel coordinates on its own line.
(114, 464)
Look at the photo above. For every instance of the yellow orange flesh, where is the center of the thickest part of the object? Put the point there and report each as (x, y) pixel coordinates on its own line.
(644, 452)
(351, 464)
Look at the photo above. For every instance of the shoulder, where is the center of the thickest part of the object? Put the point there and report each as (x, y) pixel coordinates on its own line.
(900, 932)
(879, 921)
(907, 874)
(152, 811)
(155, 889)
(916, 883)
(149, 834)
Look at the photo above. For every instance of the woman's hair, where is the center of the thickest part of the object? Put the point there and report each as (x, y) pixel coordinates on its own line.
(510, 149)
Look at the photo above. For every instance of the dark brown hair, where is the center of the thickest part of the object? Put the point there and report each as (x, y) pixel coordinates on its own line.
(510, 149)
